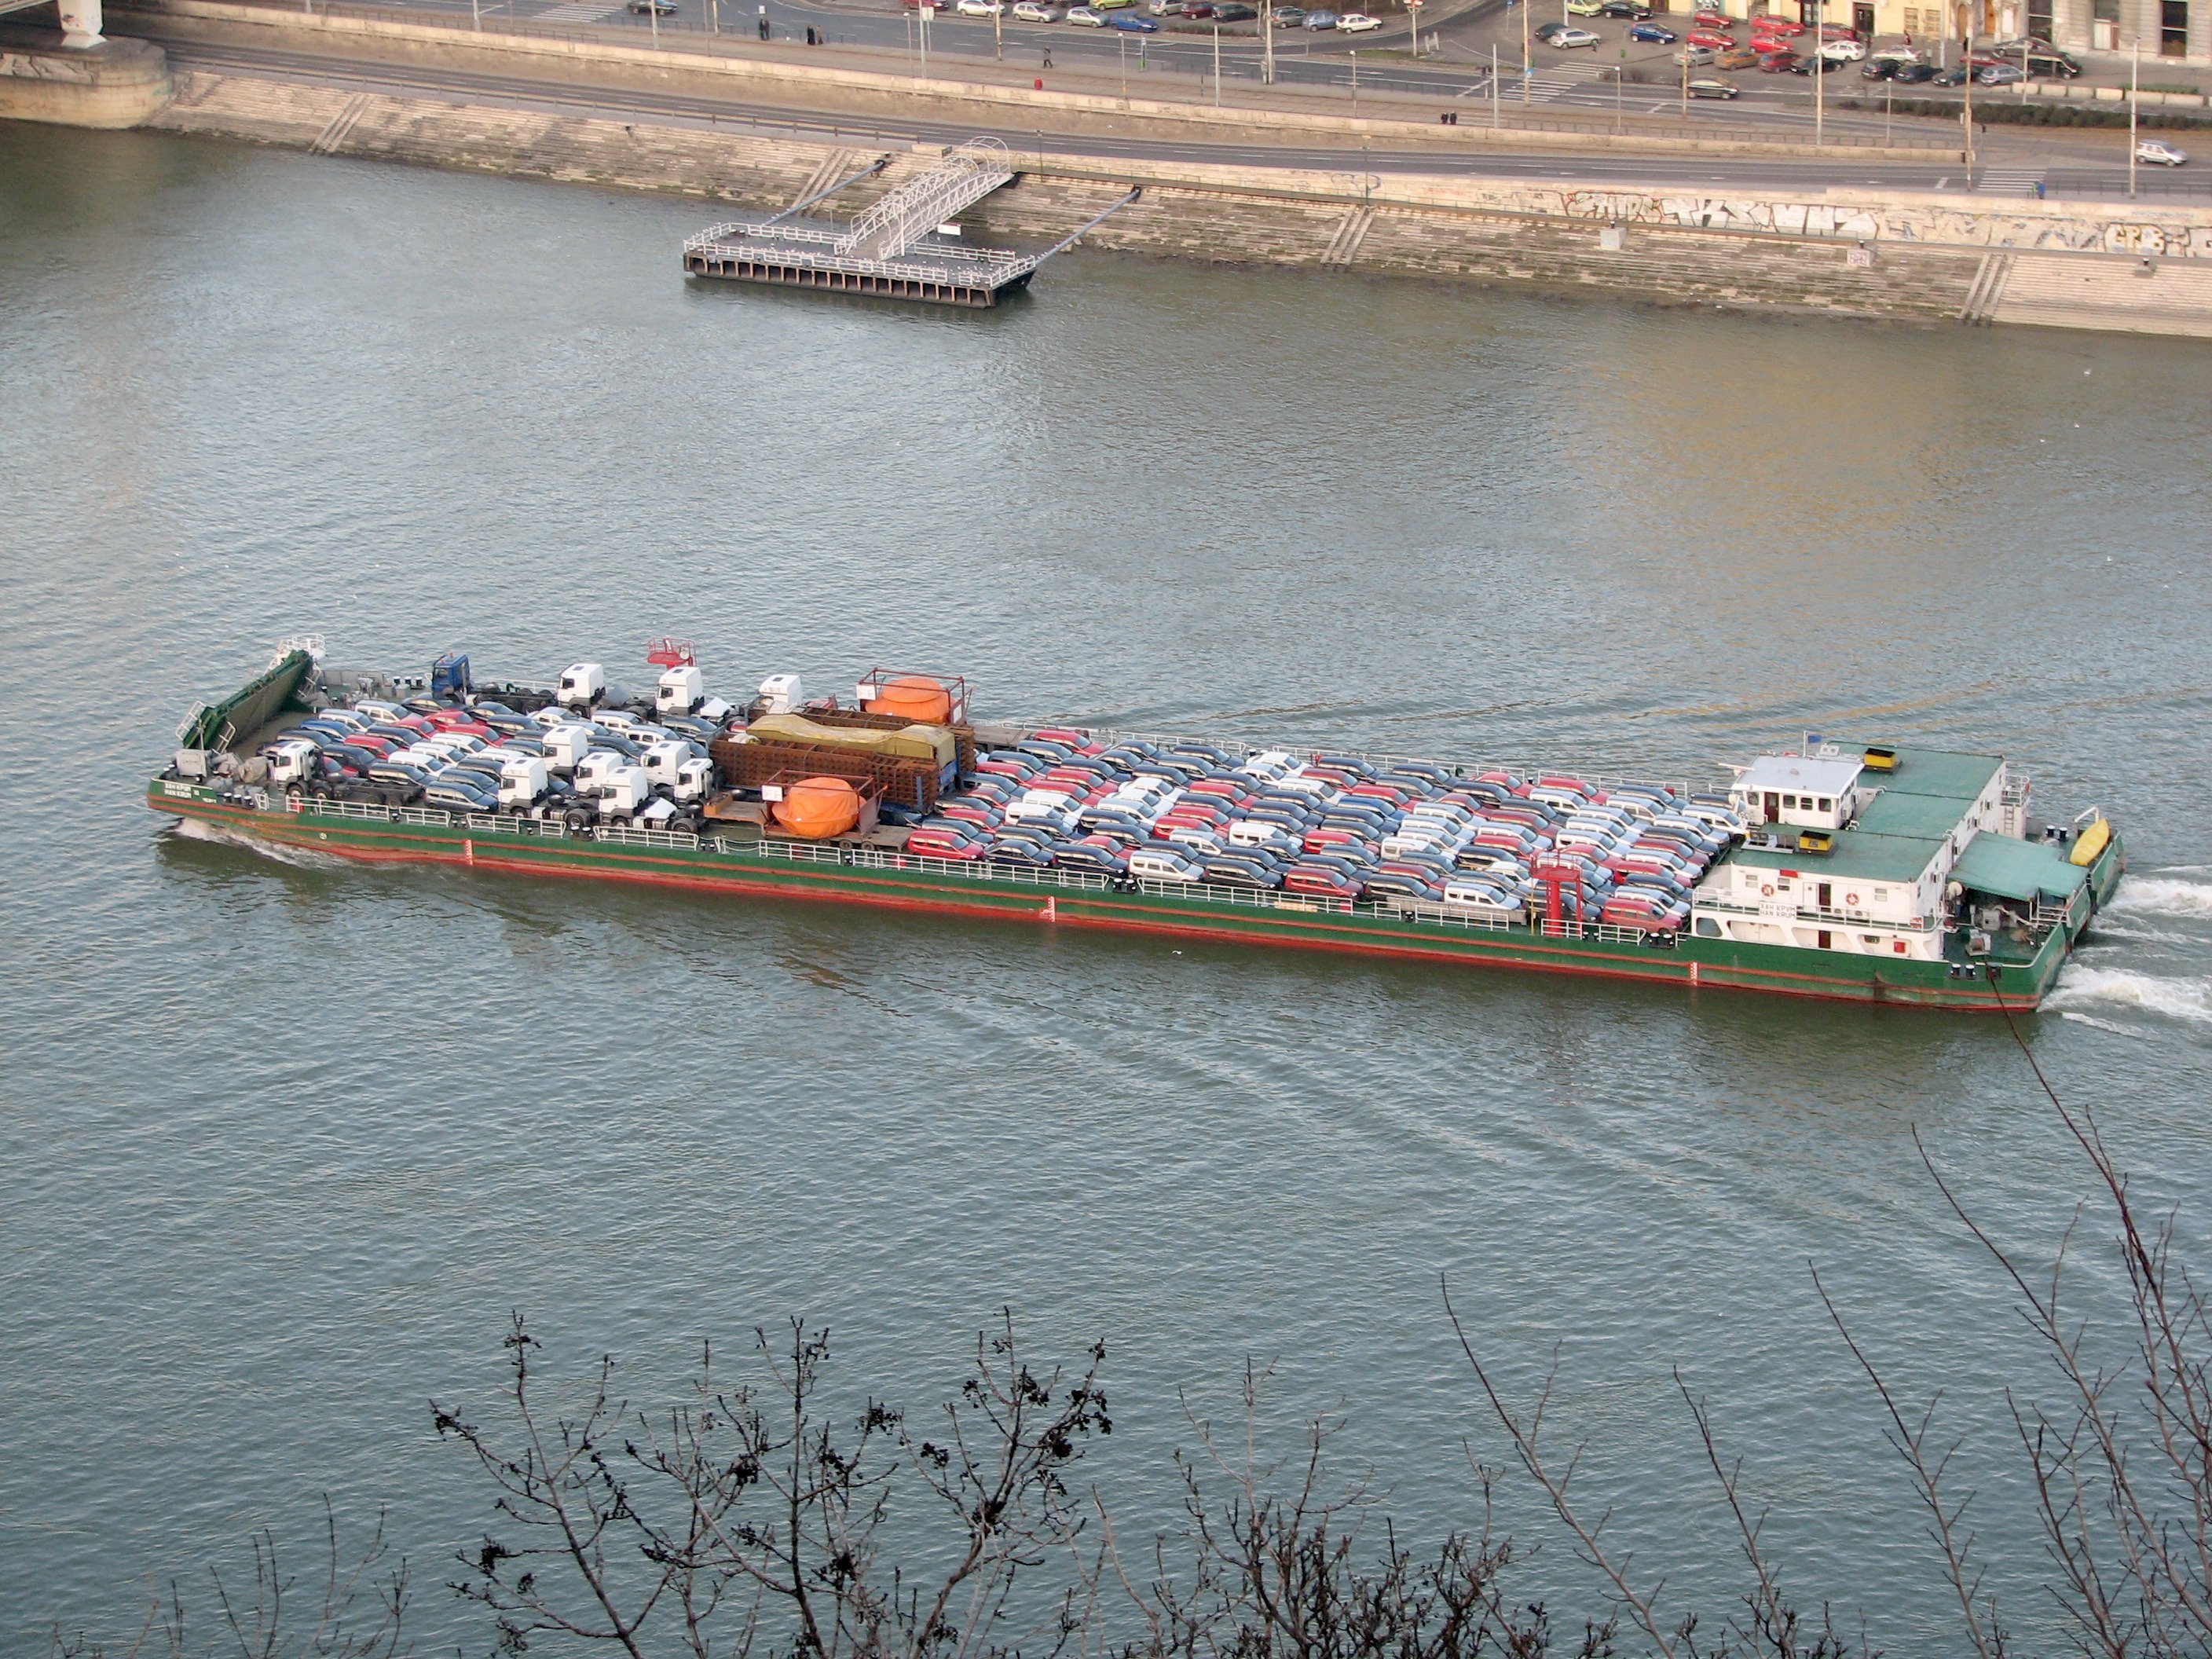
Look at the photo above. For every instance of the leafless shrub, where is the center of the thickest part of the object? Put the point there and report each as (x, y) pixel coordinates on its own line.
(1282, 1566)
(745, 1515)
(353, 1610)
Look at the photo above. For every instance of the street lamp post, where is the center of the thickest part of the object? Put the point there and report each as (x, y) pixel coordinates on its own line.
(998, 31)
(1267, 43)
(1217, 66)
(1493, 86)
(1968, 63)
(1819, 69)
(1528, 61)
(2135, 102)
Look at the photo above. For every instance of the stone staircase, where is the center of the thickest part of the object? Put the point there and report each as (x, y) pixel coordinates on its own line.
(2109, 294)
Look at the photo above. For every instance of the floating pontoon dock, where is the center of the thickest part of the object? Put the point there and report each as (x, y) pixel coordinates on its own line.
(895, 250)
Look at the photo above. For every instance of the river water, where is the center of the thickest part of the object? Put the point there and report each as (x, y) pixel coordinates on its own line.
(283, 1144)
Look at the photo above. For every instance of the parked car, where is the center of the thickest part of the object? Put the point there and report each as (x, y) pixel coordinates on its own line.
(1694, 56)
(1086, 17)
(1714, 39)
(1656, 34)
(1914, 74)
(980, 7)
(1880, 69)
(1780, 27)
(1290, 17)
(655, 8)
(1713, 89)
(1741, 58)
(1897, 55)
(1585, 8)
(1357, 22)
(2159, 154)
(1843, 51)
(1033, 11)
(2000, 74)
(1780, 62)
(1634, 10)
(1130, 22)
(1319, 20)
(1949, 77)
(1569, 40)
(1236, 12)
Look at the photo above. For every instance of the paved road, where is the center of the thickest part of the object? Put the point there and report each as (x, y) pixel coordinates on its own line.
(739, 114)
(2018, 162)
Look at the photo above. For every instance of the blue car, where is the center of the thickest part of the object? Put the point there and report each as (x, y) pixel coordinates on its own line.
(1129, 23)
(1654, 34)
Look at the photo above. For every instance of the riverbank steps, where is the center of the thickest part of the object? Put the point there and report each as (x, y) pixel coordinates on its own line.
(1857, 257)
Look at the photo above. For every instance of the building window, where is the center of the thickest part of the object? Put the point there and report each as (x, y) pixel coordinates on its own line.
(1911, 20)
(2106, 11)
(2173, 28)
(2039, 19)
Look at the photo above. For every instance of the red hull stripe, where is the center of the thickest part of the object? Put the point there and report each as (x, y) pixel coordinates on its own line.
(646, 870)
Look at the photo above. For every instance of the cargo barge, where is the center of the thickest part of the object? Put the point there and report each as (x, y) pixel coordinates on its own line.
(1862, 872)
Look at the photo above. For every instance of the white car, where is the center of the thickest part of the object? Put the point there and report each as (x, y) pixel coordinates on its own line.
(1357, 22)
(1898, 55)
(1567, 39)
(2159, 154)
(979, 8)
(1835, 51)
(1031, 12)
(1084, 17)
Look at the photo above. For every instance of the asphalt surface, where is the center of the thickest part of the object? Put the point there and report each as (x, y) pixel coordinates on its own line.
(739, 115)
(2016, 162)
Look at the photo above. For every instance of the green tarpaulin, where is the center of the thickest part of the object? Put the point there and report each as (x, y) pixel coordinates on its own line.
(2005, 868)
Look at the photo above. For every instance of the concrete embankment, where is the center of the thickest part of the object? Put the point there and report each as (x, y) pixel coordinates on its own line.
(1860, 255)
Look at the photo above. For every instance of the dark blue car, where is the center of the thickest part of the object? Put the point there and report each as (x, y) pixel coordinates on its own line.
(1129, 23)
(1656, 34)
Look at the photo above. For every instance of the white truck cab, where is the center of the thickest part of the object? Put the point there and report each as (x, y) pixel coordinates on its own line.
(781, 694)
(626, 788)
(681, 690)
(596, 772)
(582, 685)
(522, 781)
(292, 761)
(566, 747)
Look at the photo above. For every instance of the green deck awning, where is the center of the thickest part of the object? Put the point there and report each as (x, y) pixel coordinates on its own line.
(2025, 869)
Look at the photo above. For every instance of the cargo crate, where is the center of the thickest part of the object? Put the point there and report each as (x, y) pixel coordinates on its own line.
(748, 765)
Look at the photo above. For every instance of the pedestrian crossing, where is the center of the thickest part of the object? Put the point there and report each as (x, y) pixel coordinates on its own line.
(577, 11)
(2009, 181)
(1555, 79)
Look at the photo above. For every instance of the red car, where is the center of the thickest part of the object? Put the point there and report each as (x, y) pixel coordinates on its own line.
(1319, 840)
(1319, 881)
(1781, 29)
(1710, 38)
(1777, 63)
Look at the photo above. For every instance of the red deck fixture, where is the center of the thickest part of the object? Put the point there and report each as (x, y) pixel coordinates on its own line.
(669, 651)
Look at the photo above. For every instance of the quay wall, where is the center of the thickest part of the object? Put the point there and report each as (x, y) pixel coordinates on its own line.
(1930, 258)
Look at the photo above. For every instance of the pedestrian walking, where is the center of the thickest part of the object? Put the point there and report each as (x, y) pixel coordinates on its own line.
(1048, 57)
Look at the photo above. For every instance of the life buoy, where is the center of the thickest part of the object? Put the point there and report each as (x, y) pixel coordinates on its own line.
(1766, 891)
(1852, 900)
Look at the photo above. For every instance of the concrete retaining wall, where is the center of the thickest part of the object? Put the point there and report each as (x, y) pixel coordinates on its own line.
(1929, 261)
(117, 83)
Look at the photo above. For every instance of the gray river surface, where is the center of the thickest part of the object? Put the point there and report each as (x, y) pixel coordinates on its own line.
(281, 1143)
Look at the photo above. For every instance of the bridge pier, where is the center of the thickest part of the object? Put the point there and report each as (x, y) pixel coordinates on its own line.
(80, 21)
(74, 76)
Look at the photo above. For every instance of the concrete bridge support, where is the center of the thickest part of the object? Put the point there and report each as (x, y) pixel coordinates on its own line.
(76, 77)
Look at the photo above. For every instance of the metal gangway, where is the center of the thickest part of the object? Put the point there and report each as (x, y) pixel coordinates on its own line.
(901, 248)
(912, 210)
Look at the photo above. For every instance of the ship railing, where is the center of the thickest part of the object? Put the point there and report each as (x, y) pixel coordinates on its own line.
(1604, 933)
(1814, 913)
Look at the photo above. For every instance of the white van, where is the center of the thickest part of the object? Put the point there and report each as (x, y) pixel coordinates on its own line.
(1162, 864)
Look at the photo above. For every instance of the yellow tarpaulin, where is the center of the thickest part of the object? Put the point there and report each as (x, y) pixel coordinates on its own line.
(923, 743)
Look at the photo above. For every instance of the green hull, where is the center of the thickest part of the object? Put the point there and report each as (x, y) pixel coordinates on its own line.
(1053, 898)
